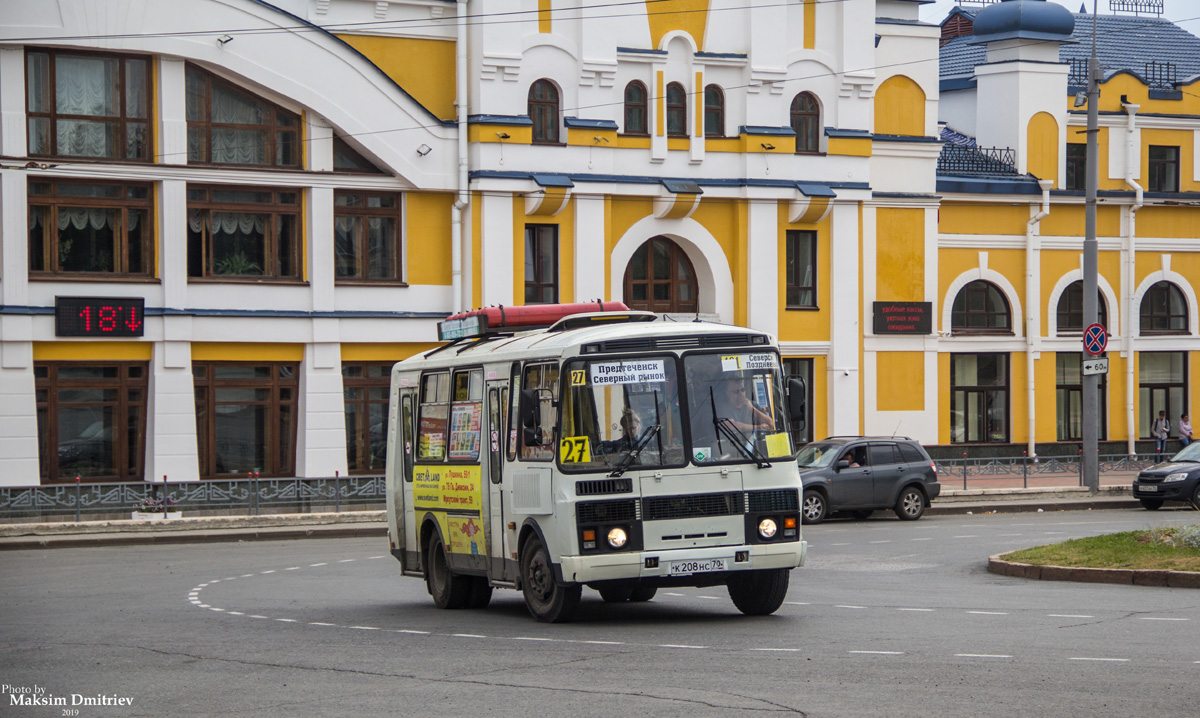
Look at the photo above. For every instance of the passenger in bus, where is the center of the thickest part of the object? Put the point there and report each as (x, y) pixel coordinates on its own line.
(631, 428)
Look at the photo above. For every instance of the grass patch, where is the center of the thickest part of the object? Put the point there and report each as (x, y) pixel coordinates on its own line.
(1154, 549)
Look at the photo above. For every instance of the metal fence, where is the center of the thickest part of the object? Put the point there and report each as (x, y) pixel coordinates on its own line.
(1067, 470)
(216, 497)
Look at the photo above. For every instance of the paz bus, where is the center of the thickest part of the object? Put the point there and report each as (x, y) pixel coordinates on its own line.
(552, 447)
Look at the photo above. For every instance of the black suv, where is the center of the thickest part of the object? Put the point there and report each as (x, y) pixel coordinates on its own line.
(859, 474)
(1175, 480)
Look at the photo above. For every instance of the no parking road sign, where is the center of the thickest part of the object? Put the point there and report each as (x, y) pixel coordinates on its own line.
(1095, 339)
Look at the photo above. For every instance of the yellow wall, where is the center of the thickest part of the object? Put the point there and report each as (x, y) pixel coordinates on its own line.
(92, 351)
(1185, 141)
(1041, 158)
(1070, 221)
(1008, 262)
(900, 255)
(810, 24)
(1138, 93)
(1169, 222)
(727, 223)
(427, 237)
(246, 351)
(804, 324)
(968, 218)
(664, 16)
(900, 381)
(423, 67)
(900, 107)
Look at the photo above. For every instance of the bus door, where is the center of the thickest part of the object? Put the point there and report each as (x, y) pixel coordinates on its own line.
(497, 401)
(407, 444)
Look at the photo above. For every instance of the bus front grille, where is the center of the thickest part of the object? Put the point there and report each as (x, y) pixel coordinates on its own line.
(596, 487)
(773, 500)
(695, 506)
(606, 512)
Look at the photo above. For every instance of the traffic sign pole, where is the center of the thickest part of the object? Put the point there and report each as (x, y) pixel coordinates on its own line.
(1089, 463)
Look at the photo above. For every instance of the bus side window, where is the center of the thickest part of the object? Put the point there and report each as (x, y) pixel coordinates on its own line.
(406, 436)
(466, 416)
(434, 417)
(515, 394)
(540, 384)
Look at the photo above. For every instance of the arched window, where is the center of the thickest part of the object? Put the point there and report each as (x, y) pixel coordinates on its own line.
(980, 308)
(1164, 310)
(660, 278)
(714, 112)
(676, 110)
(636, 116)
(543, 110)
(806, 122)
(1070, 309)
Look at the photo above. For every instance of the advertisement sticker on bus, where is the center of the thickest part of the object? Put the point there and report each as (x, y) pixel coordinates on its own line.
(642, 371)
(447, 487)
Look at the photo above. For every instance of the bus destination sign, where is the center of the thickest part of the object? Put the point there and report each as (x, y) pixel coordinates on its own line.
(903, 317)
(99, 316)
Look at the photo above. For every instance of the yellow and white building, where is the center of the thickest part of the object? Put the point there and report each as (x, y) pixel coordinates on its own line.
(294, 193)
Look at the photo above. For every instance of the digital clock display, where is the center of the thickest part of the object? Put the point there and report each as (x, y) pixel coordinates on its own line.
(99, 316)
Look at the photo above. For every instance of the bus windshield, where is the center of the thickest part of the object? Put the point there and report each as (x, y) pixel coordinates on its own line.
(620, 413)
(736, 405)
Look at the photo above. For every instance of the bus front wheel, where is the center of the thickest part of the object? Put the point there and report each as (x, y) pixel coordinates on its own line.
(548, 601)
(759, 593)
(448, 591)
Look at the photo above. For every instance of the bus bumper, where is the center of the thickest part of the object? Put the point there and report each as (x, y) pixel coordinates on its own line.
(657, 564)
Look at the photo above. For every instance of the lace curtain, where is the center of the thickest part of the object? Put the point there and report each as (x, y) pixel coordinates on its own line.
(81, 218)
(227, 222)
(85, 86)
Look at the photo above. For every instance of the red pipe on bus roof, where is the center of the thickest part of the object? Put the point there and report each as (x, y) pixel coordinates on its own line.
(536, 315)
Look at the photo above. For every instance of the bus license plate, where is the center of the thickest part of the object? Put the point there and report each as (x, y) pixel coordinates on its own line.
(683, 568)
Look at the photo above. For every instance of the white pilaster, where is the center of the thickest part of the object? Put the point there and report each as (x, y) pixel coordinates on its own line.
(589, 248)
(320, 248)
(171, 410)
(321, 431)
(497, 233)
(173, 254)
(845, 328)
(14, 222)
(12, 101)
(762, 291)
(18, 410)
(172, 104)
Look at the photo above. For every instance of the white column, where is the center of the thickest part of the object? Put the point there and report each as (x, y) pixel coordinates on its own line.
(18, 410)
(12, 101)
(763, 265)
(173, 254)
(497, 238)
(14, 226)
(172, 104)
(321, 273)
(171, 415)
(321, 427)
(590, 256)
(845, 328)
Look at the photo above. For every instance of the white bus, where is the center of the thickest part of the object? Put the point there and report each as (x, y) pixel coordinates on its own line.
(608, 449)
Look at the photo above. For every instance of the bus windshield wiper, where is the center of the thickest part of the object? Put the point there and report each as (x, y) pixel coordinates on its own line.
(741, 441)
(639, 443)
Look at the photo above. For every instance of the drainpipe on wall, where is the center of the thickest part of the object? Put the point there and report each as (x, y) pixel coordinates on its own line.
(1131, 313)
(459, 214)
(1032, 271)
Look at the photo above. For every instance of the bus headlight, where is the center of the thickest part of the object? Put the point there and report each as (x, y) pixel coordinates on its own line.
(617, 537)
(767, 528)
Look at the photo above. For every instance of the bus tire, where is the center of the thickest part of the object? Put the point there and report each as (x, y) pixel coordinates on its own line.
(479, 593)
(547, 601)
(616, 593)
(759, 593)
(641, 594)
(448, 591)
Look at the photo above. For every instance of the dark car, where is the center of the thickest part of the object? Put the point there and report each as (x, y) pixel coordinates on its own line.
(860, 474)
(1174, 480)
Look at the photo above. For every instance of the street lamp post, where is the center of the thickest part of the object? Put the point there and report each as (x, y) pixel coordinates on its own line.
(1089, 466)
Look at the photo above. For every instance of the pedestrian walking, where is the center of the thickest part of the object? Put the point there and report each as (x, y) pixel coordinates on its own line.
(1160, 430)
(1185, 431)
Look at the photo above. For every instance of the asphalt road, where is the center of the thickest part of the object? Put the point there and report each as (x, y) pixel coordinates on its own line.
(888, 618)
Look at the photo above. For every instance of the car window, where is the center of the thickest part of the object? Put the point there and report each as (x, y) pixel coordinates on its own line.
(912, 454)
(882, 454)
(856, 455)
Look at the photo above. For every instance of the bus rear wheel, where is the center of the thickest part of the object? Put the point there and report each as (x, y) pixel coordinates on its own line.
(759, 593)
(547, 601)
(448, 591)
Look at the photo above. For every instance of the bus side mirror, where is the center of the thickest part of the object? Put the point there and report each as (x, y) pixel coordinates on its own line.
(797, 397)
(531, 417)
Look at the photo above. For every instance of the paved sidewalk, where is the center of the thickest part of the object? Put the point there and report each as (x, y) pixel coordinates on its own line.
(349, 524)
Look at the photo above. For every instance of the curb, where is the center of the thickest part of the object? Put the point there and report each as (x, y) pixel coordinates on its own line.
(1128, 577)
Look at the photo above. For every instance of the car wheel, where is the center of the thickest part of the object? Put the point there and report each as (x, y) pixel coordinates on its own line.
(911, 504)
(759, 593)
(1151, 504)
(547, 601)
(641, 594)
(862, 514)
(814, 508)
(448, 591)
(1196, 497)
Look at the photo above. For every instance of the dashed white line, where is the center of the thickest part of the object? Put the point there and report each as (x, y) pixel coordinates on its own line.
(1102, 660)
(791, 650)
(927, 538)
(880, 653)
(293, 568)
(1067, 615)
(989, 613)
(266, 572)
(347, 560)
(923, 610)
(255, 616)
(287, 620)
(798, 603)
(680, 645)
(1153, 618)
(981, 655)
(530, 638)
(318, 623)
(418, 633)
(467, 635)
(968, 536)
(365, 628)
(602, 643)
(314, 565)
(849, 606)
(883, 541)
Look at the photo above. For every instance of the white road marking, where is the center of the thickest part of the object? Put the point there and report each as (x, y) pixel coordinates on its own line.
(318, 623)
(839, 544)
(1067, 615)
(1152, 618)
(968, 536)
(679, 645)
(885, 541)
(347, 560)
(530, 638)
(246, 575)
(849, 606)
(405, 630)
(601, 643)
(1108, 660)
(927, 538)
(989, 613)
(255, 616)
(798, 603)
(467, 635)
(365, 628)
(924, 610)
(287, 620)
(793, 650)
(1008, 535)
(293, 568)
(236, 613)
(314, 565)
(981, 655)
(710, 598)
(266, 572)
(880, 653)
